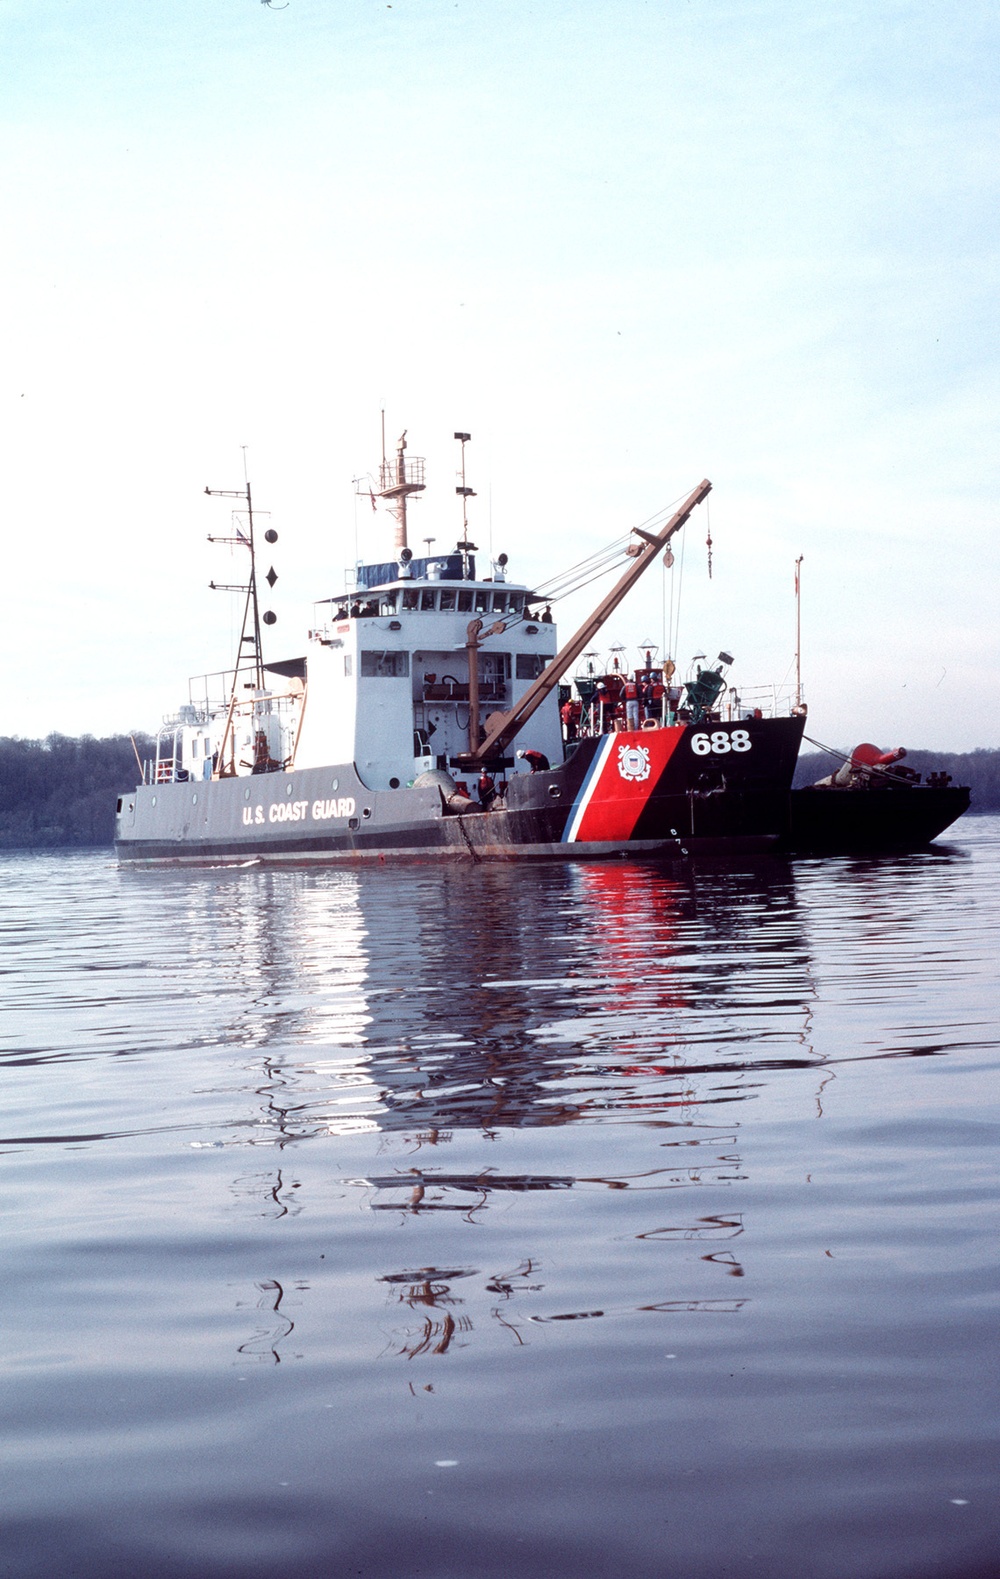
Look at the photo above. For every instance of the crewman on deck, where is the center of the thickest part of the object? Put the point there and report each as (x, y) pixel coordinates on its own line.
(600, 705)
(647, 708)
(537, 761)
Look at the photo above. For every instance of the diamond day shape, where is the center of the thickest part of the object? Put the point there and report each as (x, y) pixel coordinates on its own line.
(271, 576)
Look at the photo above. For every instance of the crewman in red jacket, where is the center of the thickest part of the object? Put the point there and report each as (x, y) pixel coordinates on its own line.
(536, 760)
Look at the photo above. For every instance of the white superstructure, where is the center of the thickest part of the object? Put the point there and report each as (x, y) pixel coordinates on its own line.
(400, 674)
(388, 672)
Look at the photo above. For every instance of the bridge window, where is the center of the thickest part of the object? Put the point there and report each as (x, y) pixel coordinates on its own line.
(384, 665)
(529, 665)
(494, 666)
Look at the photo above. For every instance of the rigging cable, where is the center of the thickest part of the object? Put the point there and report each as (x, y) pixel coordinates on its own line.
(580, 575)
(831, 751)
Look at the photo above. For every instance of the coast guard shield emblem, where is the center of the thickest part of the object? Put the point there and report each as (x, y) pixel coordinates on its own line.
(633, 762)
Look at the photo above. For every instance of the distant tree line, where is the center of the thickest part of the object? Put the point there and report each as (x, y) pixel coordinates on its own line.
(979, 769)
(60, 792)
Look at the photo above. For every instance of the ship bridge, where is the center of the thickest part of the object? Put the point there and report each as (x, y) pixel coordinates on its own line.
(401, 667)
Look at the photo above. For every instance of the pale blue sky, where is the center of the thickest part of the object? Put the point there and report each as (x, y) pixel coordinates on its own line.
(625, 246)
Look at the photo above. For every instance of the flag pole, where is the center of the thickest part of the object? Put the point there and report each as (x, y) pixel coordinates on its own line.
(798, 631)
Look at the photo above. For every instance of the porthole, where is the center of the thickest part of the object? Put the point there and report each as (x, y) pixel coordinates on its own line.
(153, 801)
(288, 789)
(366, 811)
(246, 794)
(335, 785)
(194, 800)
(393, 783)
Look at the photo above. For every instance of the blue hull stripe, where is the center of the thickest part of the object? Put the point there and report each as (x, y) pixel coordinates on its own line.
(586, 789)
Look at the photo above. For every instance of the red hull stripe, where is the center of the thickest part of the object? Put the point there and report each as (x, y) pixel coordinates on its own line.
(625, 771)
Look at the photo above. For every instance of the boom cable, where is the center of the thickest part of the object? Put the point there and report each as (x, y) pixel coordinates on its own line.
(611, 557)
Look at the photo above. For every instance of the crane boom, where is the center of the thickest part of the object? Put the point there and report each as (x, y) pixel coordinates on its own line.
(505, 727)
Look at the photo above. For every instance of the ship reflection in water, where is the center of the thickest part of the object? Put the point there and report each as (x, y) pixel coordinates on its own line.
(538, 1000)
(565, 1222)
(594, 995)
(425, 1016)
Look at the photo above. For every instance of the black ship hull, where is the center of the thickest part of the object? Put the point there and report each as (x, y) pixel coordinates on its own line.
(828, 819)
(677, 791)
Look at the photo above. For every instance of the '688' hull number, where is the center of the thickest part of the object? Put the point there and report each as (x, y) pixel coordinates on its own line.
(719, 742)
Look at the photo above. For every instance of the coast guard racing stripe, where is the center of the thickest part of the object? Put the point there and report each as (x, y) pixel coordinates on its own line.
(625, 771)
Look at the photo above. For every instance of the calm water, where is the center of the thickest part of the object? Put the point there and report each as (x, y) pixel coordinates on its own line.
(587, 1221)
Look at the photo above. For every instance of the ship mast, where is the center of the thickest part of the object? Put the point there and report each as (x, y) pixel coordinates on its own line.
(798, 630)
(250, 632)
(465, 494)
(250, 629)
(398, 479)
